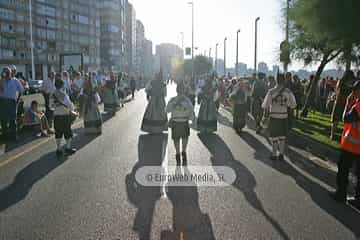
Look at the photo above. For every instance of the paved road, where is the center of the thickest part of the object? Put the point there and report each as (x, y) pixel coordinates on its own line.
(93, 194)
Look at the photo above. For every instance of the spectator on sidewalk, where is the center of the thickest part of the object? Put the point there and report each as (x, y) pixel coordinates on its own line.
(36, 120)
(277, 103)
(343, 89)
(67, 82)
(350, 147)
(10, 92)
(47, 89)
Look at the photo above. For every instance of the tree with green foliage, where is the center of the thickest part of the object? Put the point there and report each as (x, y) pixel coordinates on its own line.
(321, 32)
(202, 65)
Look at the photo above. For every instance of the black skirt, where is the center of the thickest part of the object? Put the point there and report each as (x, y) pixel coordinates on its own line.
(180, 130)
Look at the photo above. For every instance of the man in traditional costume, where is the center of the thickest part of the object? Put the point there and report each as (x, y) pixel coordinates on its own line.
(155, 117)
(277, 103)
(182, 111)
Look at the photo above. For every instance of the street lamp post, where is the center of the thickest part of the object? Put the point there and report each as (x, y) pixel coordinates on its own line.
(210, 57)
(225, 56)
(182, 41)
(287, 31)
(192, 41)
(216, 56)
(255, 57)
(31, 42)
(237, 52)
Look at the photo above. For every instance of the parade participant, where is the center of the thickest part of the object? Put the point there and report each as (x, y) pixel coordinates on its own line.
(207, 117)
(155, 117)
(343, 89)
(257, 97)
(110, 95)
(47, 89)
(190, 91)
(10, 92)
(89, 109)
(181, 111)
(350, 147)
(132, 87)
(35, 119)
(277, 103)
(63, 110)
(239, 99)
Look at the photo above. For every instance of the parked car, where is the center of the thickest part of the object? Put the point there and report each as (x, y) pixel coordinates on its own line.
(35, 86)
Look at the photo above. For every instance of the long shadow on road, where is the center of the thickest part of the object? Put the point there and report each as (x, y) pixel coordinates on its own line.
(344, 214)
(245, 180)
(189, 222)
(35, 171)
(151, 152)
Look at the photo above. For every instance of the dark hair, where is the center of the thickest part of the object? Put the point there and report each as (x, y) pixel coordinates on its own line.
(280, 80)
(59, 83)
(180, 89)
(34, 103)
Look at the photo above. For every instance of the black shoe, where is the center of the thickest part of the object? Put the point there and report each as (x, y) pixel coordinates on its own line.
(273, 158)
(70, 151)
(59, 153)
(340, 198)
(178, 160)
(281, 157)
(184, 158)
(355, 202)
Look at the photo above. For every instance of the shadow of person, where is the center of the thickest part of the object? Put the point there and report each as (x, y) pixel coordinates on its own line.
(304, 175)
(35, 171)
(244, 182)
(223, 120)
(189, 222)
(151, 152)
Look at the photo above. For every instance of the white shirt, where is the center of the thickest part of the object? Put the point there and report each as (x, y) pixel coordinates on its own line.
(60, 109)
(48, 86)
(79, 82)
(181, 109)
(278, 104)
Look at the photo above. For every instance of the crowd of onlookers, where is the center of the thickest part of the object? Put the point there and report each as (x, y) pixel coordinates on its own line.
(14, 115)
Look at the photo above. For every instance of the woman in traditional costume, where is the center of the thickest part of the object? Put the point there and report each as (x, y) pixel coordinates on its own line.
(110, 95)
(239, 99)
(90, 107)
(155, 118)
(207, 117)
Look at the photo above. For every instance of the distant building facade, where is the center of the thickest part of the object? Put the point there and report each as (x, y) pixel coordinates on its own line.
(168, 54)
(59, 27)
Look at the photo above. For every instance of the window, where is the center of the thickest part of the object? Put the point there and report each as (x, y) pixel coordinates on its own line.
(7, 14)
(83, 19)
(20, 29)
(6, 54)
(6, 27)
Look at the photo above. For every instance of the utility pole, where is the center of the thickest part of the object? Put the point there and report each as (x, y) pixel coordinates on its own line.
(31, 43)
(225, 56)
(286, 63)
(192, 41)
(237, 52)
(255, 57)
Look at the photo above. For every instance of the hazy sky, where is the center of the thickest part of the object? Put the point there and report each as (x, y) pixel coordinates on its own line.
(215, 20)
